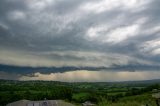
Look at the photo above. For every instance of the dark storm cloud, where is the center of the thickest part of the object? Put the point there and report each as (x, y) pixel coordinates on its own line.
(79, 33)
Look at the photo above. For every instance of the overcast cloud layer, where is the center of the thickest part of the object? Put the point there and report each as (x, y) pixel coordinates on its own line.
(79, 33)
(85, 76)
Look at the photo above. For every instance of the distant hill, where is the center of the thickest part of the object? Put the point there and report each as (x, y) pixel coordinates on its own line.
(108, 83)
(140, 82)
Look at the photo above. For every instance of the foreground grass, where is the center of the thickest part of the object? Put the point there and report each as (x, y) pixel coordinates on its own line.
(133, 103)
(138, 100)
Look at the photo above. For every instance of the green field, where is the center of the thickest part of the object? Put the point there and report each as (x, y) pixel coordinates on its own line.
(100, 93)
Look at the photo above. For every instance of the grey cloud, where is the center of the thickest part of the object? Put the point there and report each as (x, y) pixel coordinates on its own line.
(7, 76)
(61, 27)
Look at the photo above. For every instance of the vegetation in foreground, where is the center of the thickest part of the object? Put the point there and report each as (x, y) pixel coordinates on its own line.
(102, 94)
(137, 100)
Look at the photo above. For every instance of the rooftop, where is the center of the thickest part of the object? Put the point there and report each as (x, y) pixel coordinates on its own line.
(40, 103)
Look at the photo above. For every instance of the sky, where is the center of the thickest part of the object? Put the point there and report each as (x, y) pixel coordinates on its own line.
(80, 33)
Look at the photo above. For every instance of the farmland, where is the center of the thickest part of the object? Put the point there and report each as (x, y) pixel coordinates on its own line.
(99, 93)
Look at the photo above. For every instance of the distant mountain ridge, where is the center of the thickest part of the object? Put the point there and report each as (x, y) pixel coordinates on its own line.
(153, 81)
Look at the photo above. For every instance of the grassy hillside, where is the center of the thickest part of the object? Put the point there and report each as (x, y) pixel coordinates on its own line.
(137, 100)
